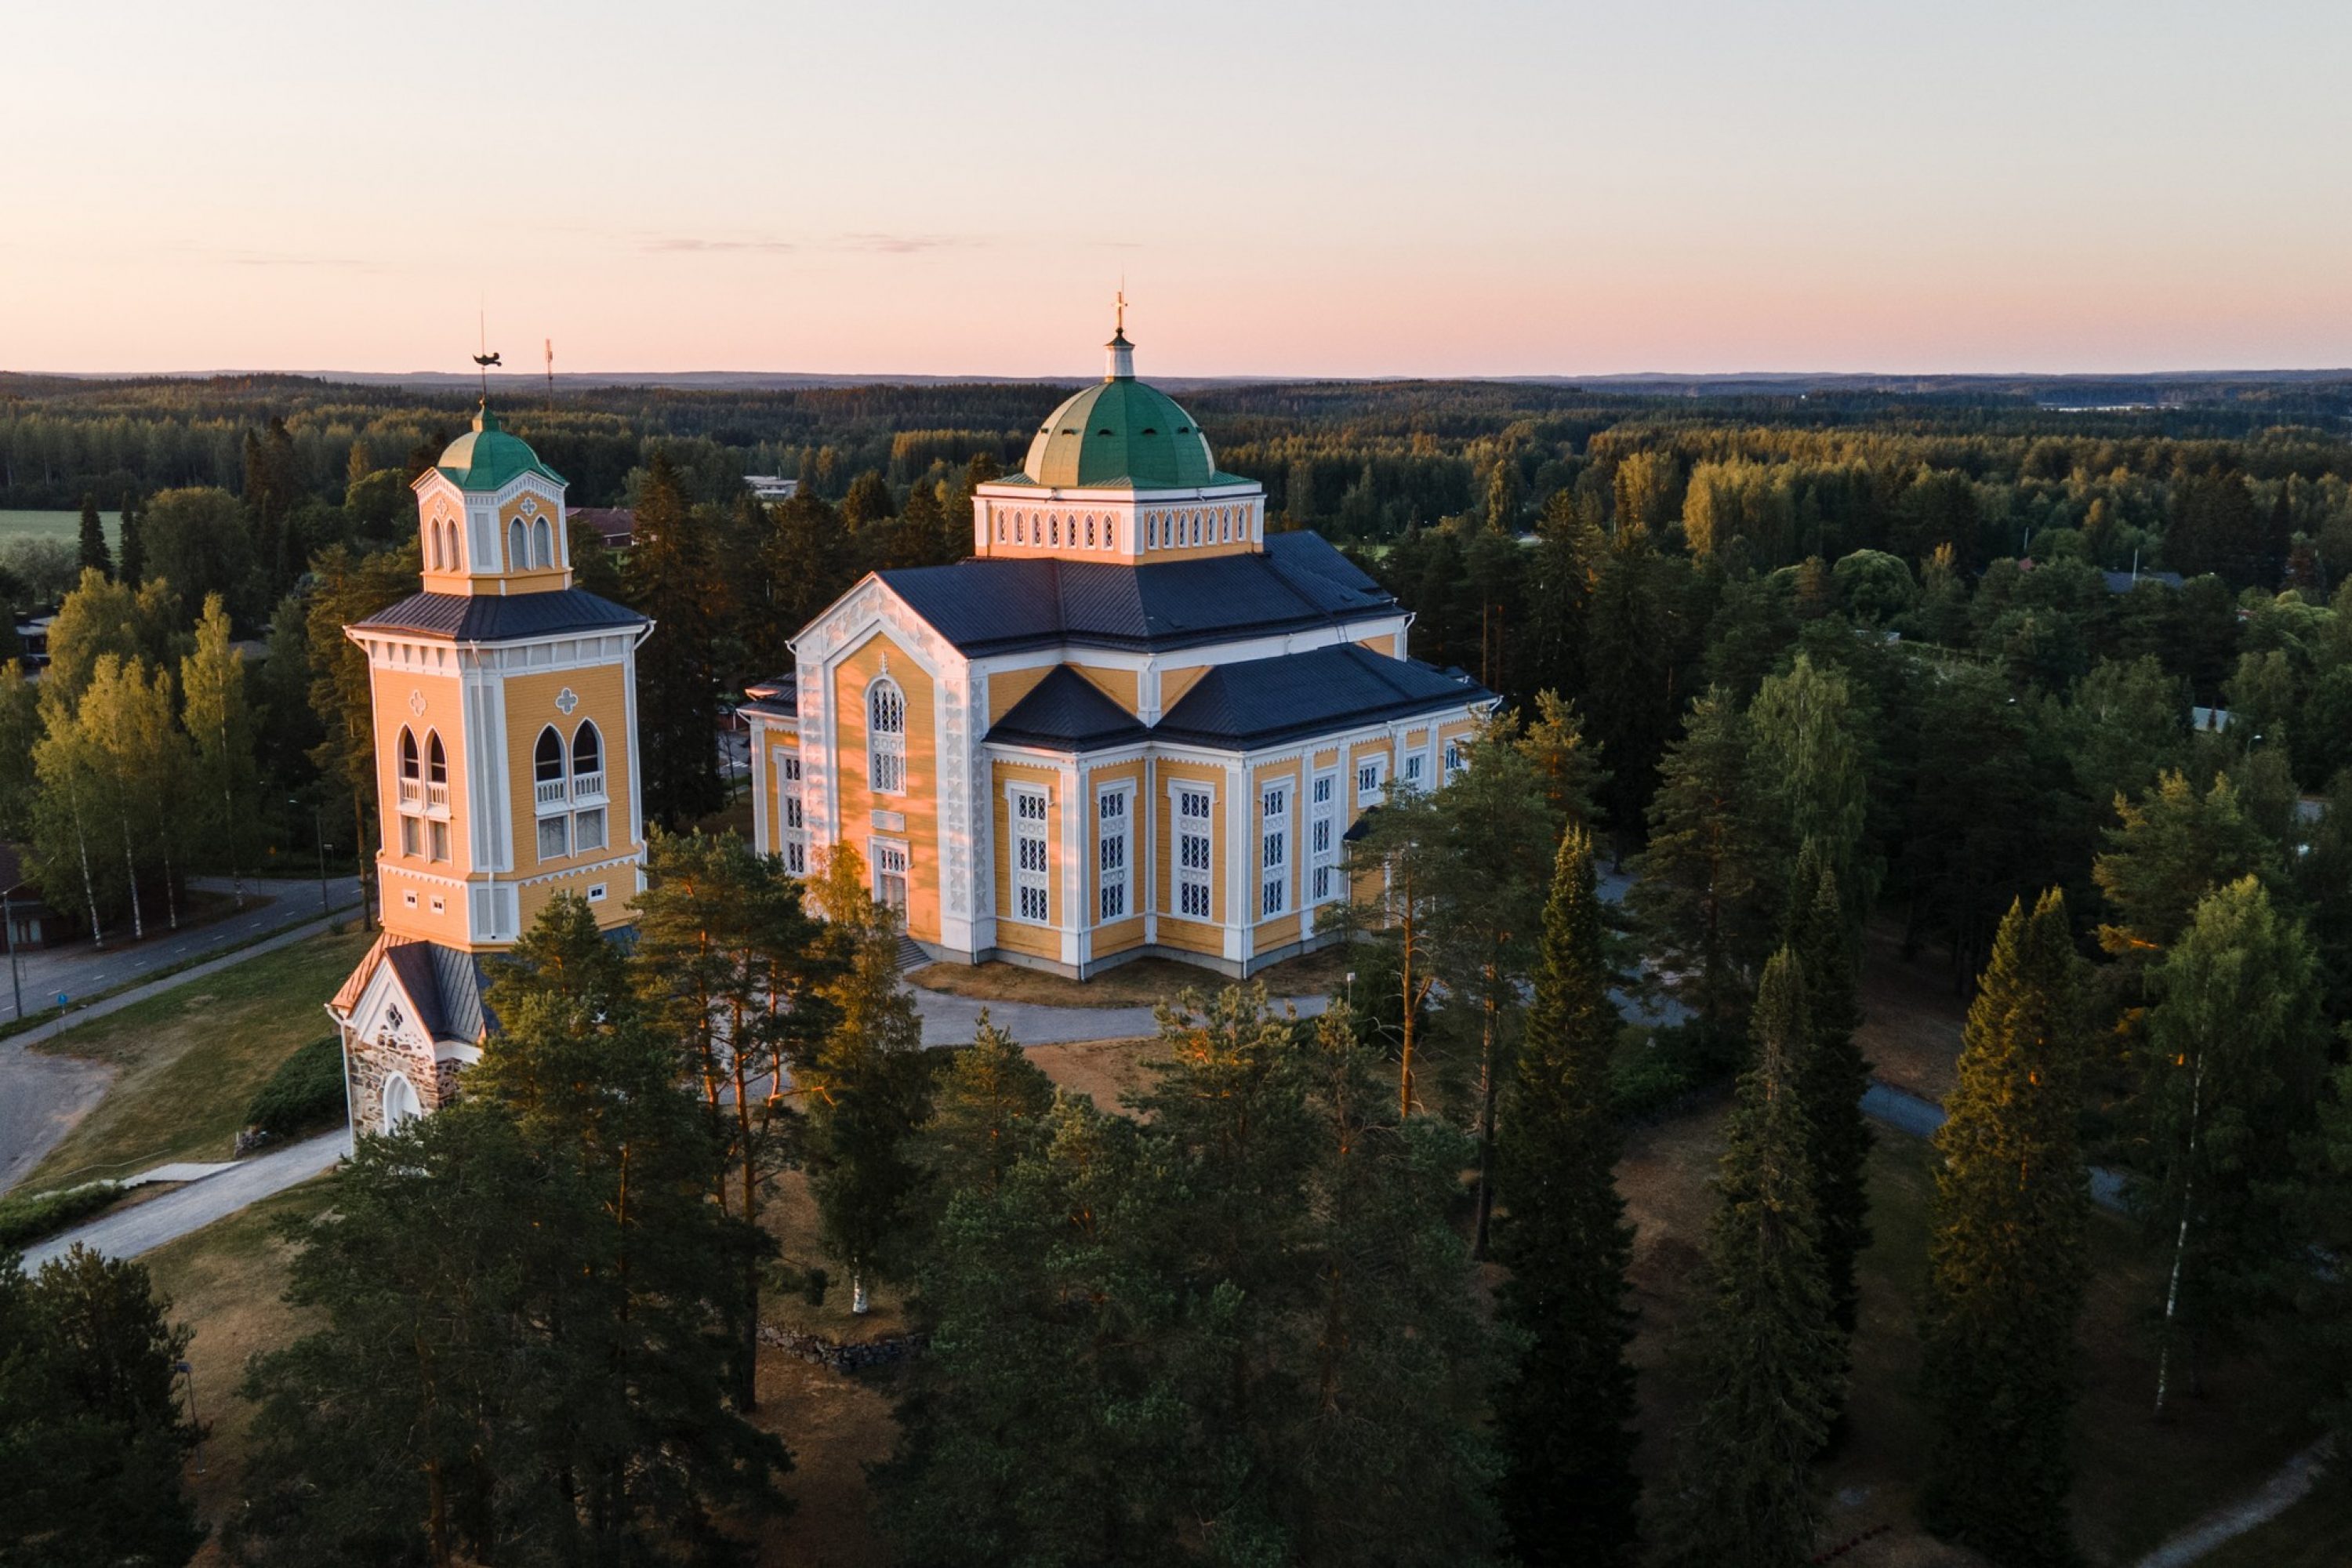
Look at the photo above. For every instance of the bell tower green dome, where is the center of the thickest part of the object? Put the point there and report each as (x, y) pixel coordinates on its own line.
(486, 456)
(1120, 433)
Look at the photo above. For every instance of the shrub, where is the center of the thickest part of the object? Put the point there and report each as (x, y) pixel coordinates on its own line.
(305, 1093)
(26, 1217)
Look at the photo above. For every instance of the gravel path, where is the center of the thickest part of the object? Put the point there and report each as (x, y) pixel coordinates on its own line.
(152, 1224)
(41, 1097)
(2282, 1491)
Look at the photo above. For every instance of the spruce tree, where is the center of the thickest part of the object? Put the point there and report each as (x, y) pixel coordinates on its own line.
(1832, 1076)
(1767, 1354)
(132, 569)
(1564, 1419)
(677, 578)
(95, 556)
(2006, 1271)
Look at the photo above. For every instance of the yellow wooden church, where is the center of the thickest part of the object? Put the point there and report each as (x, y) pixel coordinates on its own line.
(1133, 722)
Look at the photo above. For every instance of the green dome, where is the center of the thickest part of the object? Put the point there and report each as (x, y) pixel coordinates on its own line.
(485, 458)
(1120, 433)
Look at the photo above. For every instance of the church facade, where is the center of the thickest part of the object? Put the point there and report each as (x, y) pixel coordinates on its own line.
(1133, 722)
(504, 703)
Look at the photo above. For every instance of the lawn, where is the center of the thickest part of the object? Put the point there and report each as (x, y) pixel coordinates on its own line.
(56, 525)
(187, 1062)
(224, 1281)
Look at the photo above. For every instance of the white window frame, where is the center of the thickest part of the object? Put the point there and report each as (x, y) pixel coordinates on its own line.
(1456, 764)
(879, 851)
(561, 826)
(1114, 853)
(791, 832)
(580, 821)
(1024, 830)
(1194, 879)
(1378, 767)
(1416, 767)
(1323, 838)
(1273, 862)
(886, 749)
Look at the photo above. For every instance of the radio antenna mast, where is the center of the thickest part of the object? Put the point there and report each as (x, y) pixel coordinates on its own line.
(550, 373)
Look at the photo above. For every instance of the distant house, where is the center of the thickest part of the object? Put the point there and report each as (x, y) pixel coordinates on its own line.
(33, 635)
(31, 921)
(615, 525)
(2212, 719)
(2124, 581)
(772, 487)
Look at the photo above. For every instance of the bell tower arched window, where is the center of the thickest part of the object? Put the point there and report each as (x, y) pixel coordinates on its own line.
(886, 737)
(547, 759)
(543, 543)
(518, 546)
(587, 754)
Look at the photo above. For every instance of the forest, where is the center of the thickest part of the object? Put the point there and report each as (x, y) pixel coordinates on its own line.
(2057, 702)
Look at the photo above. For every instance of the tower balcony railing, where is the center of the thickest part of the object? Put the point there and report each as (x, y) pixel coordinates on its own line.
(412, 792)
(588, 787)
(436, 797)
(580, 789)
(550, 791)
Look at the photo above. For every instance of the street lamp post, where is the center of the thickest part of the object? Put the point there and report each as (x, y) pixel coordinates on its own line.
(16, 978)
(318, 827)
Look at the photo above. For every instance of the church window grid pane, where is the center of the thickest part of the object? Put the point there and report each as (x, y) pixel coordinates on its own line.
(1196, 852)
(1323, 838)
(1114, 859)
(795, 845)
(1031, 863)
(1369, 775)
(1412, 768)
(886, 737)
(1455, 766)
(588, 829)
(437, 838)
(1090, 532)
(1273, 851)
(554, 837)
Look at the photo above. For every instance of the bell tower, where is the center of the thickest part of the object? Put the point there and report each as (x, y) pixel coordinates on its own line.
(506, 753)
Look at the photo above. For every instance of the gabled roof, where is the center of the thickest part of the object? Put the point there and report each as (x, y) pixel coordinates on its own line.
(1262, 701)
(443, 987)
(497, 617)
(1003, 605)
(1066, 712)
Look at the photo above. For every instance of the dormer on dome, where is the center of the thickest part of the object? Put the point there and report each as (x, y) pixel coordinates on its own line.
(1119, 473)
(491, 516)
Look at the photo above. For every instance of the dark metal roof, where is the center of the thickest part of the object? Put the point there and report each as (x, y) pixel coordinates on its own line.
(501, 618)
(446, 985)
(2124, 581)
(1066, 712)
(779, 697)
(996, 606)
(1262, 701)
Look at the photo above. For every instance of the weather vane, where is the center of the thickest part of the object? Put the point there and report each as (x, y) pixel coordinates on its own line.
(486, 359)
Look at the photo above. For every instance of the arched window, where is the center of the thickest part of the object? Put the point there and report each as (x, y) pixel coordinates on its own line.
(433, 559)
(518, 547)
(436, 761)
(587, 750)
(886, 737)
(400, 1102)
(1090, 532)
(547, 757)
(543, 543)
(408, 754)
(449, 550)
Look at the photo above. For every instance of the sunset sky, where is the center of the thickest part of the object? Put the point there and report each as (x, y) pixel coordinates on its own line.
(1363, 188)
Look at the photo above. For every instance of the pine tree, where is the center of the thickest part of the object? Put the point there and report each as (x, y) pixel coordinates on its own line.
(352, 588)
(2006, 1269)
(1809, 776)
(1768, 1352)
(1700, 887)
(677, 578)
(95, 556)
(988, 1113)
(865, 1085)
(1564, 1419)
(1832, 1076)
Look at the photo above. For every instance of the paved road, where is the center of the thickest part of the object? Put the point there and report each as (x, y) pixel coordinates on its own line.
(79, 969)
(41, 1097)
(1907, 1113)
(175, 1214)
(2274, 1496)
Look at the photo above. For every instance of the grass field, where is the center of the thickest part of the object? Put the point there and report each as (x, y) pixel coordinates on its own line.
(55, 525)
(225, 1282)
(188, 1061)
